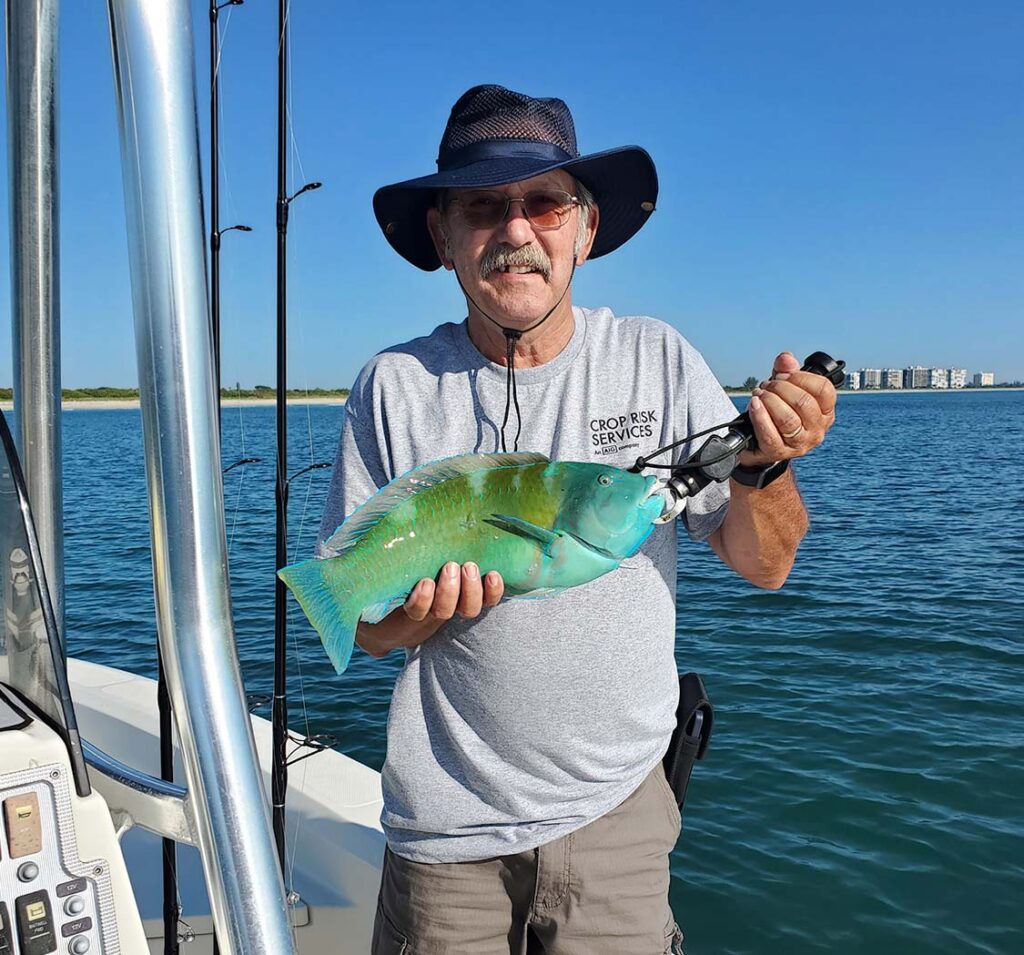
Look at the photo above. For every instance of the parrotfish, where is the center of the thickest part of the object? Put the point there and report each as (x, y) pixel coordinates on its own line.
(543, 525)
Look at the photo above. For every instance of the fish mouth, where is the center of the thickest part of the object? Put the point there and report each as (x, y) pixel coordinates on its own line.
(654, 485)
(594, 547)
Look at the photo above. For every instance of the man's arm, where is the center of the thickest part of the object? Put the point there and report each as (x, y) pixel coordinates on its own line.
(761, 531)
(763, 528)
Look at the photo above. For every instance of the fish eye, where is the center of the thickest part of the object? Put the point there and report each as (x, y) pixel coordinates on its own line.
(604, 480)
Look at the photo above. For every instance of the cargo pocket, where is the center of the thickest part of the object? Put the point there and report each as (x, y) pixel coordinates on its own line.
(673, 939)
(387, 940)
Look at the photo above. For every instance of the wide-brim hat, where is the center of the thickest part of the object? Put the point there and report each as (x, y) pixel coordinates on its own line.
(495, 136)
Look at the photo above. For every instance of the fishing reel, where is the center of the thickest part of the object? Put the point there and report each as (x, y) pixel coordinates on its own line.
(716, 458)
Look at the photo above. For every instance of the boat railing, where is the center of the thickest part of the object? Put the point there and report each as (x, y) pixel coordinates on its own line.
(224, 808)
(139, 799)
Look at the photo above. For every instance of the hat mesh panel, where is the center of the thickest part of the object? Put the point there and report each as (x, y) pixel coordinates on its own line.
(493, 112)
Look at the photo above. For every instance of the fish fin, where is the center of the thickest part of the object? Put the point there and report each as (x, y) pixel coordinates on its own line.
(516, 525)
(375, 613)
(361, 520)
(334, 620)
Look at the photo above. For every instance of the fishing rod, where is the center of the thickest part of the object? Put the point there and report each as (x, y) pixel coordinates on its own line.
(215, 230)
(715, 460)
(279, 710)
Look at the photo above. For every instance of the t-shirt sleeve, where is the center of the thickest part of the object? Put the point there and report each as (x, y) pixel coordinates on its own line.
(359, 470)
(707, 404)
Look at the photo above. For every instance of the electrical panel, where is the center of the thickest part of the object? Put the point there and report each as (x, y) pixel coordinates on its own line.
(50, 900)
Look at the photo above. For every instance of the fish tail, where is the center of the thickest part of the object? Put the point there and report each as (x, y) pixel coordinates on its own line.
(333, 616)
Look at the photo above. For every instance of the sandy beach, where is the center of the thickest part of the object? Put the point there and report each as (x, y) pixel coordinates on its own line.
(103, 404)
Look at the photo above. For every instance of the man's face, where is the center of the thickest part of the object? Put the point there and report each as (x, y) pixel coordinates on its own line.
(515, 271)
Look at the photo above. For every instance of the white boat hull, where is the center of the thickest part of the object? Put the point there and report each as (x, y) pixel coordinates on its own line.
(334, 838)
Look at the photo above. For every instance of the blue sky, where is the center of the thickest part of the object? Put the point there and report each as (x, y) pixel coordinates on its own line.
(843, 176)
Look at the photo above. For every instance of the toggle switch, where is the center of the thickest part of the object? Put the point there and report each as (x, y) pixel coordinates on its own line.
(35, 924)
(24, 827)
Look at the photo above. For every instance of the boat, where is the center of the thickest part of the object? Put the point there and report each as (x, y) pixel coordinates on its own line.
(86, 815)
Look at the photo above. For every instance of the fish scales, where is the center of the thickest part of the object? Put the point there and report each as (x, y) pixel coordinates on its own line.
(542, 525)
(448, 522)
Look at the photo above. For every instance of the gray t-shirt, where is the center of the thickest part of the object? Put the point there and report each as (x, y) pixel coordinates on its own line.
(518, 727)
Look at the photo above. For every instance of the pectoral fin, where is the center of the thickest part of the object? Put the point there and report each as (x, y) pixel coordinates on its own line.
(540, 536)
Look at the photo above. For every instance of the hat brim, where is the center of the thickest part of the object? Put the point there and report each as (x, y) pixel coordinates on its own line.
(623, 180)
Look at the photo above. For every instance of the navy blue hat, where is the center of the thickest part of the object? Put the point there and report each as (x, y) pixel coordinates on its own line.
(495, 136)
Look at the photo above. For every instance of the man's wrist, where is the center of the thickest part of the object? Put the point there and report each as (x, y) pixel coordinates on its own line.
(759, 476)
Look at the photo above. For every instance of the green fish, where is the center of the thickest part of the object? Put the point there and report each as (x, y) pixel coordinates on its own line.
(543, 525)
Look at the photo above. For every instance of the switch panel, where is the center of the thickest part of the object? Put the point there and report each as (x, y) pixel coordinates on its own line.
(6, 932)
(35, 924)
(24, 827)
(54, 898)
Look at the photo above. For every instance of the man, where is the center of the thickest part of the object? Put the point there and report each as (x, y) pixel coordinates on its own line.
(524, 802)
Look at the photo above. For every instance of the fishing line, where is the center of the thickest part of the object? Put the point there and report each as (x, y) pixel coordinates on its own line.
(225, 178)
(296, 155)
(222, 30)
(644, 462)
(245, 459)
(221, 36)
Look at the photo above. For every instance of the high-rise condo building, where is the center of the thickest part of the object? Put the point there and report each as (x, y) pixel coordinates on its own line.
(892, 378)
(984, 379)
(938, 377)
(916, 376)
(957, 377)
(853, 380)
(872, 377)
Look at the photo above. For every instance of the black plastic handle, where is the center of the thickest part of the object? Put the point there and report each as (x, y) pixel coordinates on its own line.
(818, 363)
(828, 367)
(717, 457)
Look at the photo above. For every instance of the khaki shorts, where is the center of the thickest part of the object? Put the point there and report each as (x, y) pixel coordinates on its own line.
(602, 890)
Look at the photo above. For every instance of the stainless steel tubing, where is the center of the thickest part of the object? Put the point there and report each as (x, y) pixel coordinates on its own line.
(154, 74)
(35, 271)
(142, 800)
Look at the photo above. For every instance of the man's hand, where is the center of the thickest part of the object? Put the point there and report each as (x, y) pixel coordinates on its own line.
(790, 413)
(457, 590)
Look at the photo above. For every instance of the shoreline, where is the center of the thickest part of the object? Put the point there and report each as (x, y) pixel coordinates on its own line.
(116, 404)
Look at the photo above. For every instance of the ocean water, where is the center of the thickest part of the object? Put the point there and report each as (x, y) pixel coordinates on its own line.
(863, 789)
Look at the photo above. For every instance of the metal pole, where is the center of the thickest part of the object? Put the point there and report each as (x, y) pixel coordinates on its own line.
(154, 73)
(32, 36)
(279, 716)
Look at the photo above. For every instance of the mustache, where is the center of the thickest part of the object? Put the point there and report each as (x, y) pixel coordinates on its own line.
(504, 256)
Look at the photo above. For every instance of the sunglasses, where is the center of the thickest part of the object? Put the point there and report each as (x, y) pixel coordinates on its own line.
(545, 208)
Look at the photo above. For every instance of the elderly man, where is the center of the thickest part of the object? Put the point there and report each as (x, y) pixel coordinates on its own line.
(525, 805)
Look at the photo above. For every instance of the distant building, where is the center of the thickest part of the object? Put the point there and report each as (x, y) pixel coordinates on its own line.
(853, 380)
(957, 377)
(984, 379)
(938, 377)
(871, 377)
(892, 378)
(916, 376)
